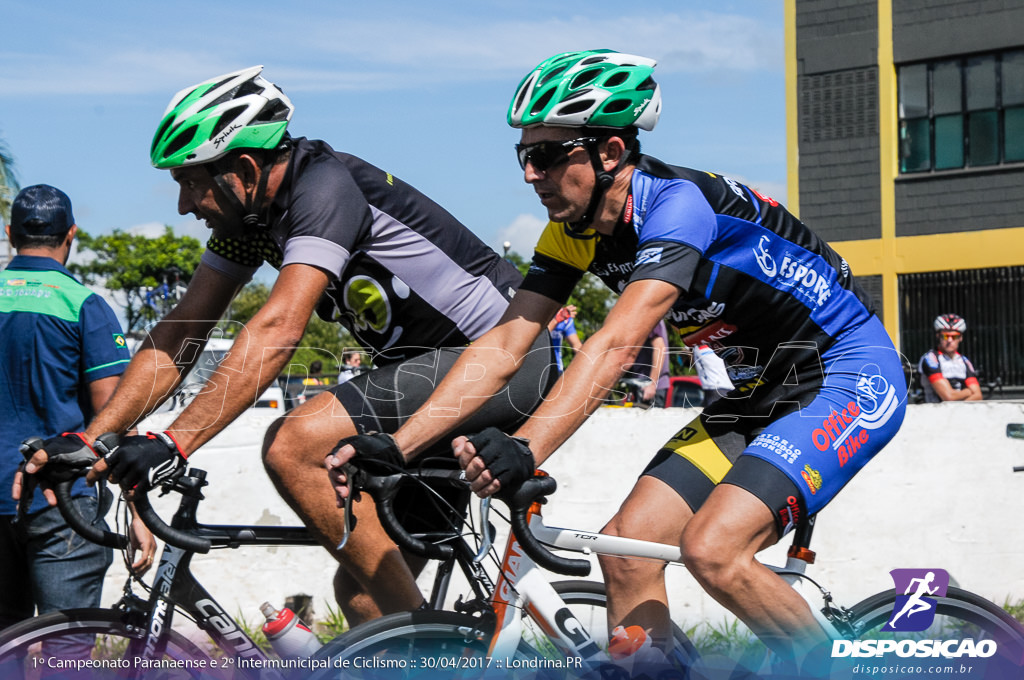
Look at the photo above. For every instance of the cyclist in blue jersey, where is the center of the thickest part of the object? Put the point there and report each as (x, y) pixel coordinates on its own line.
(563, 330)
(819, 388)
(353, 244)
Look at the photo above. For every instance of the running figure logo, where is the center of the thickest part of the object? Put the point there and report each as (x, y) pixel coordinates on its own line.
(914, 609)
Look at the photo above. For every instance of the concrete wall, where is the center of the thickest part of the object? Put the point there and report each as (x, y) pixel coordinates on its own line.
(942, 495)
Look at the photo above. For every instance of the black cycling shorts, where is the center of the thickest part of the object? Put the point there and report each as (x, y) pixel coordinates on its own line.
(382, 400)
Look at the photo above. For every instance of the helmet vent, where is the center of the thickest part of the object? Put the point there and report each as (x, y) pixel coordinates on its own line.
(225, 119)
(274, 111)
(227, 96)
(584, 78)
(648, 84)
(542, 102)
(616, 79)
(180, 141)
(552, 74)
(575, 107)
(617, 106)
(161, 132)
(593, 60)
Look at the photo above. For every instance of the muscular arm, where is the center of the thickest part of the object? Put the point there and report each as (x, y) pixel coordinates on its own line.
(592, 374)
(947, 392)
(153, 374)
(484, 368)
(101, 390)
(259, 354)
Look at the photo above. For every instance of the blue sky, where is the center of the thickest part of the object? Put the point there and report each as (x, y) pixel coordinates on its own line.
(419, 89)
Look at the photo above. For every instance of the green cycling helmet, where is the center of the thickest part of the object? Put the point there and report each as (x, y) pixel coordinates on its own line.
(597, 88)
(240, 110)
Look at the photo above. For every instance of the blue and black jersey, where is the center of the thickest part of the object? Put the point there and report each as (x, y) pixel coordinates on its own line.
(757, 285)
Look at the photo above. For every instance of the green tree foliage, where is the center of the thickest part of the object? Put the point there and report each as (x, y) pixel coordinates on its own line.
(8, 190)
(137, 268)
(593, 301)
(323, 341)
(8, 182)
(592, 298)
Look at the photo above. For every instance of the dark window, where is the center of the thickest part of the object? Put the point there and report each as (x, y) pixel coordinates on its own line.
(958, 113)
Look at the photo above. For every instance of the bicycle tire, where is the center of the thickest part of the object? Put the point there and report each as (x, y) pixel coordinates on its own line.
(444, 644)
(17, 648)
(959, 615)
(421, 644)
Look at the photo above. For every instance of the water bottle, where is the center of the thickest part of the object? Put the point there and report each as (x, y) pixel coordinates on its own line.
(289, 637)
(632, 649)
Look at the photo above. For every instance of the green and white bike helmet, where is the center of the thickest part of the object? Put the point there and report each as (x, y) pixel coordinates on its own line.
(595, 88)
(239, 110)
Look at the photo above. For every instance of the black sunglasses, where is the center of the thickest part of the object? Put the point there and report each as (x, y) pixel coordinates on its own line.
(546, 155)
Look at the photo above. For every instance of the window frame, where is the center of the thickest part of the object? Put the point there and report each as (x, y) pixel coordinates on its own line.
(915, 160)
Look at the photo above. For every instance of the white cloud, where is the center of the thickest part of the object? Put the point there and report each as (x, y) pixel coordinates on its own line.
(522, 234)
(392, 52)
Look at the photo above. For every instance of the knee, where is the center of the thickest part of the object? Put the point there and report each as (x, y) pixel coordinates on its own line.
(710, 563)
(625, 570)
(277, 448)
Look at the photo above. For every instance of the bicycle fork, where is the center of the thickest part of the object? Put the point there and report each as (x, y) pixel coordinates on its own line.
(522, 586)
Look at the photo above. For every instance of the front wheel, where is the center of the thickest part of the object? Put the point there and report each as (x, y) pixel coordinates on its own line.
(421, 644)
(89, 643)
(966, 631)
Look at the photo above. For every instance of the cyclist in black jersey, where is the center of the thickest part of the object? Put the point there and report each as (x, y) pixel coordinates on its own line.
(353, 244)
(819, 387)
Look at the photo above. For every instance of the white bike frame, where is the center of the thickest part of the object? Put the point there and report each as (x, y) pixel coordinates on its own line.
(523, 586)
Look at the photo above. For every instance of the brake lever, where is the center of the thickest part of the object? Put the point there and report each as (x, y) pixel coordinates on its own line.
(104, 498)
(487, 529)
(29, 482)
(349, 521)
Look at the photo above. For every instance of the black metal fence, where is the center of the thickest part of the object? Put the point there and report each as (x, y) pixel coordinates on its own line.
(992, 303)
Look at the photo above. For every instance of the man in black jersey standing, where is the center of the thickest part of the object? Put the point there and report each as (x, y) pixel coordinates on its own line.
(353, 244)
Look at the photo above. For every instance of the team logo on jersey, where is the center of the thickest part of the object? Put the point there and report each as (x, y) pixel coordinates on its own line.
(652, 255)
(119, 340)
(846, 430)
(367, 303)
(796, 272)
(812, 478)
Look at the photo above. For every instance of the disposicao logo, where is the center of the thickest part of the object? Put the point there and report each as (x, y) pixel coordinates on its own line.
(913, 612)
(915, 609)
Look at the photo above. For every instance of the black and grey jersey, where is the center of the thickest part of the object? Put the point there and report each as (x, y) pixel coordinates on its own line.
(405, 274)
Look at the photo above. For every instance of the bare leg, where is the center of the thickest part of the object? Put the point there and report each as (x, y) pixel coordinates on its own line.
(719, 545)
(373, 577)
(636, 588)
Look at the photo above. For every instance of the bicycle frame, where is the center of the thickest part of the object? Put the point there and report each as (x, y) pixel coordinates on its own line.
(175, 586)
(522, 586)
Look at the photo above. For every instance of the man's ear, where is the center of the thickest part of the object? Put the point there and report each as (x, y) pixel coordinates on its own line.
(613, 153)
(248, 169)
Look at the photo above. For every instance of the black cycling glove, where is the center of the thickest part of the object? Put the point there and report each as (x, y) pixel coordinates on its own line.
(508, 458)
(375, 446)
(148, 460)
(67, 456)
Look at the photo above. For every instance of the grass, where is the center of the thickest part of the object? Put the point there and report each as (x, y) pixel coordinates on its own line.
(1014, 609)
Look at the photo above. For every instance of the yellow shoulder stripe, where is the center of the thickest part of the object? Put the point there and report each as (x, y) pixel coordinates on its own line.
(559, 243)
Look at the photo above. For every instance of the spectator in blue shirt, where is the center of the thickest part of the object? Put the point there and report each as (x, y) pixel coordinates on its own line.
(563, 330)
(61, 353)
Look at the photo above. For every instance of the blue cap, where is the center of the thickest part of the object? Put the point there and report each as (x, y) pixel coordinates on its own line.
(41, 210)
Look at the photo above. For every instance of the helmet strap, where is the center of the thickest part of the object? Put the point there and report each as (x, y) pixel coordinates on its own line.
(603, 180)
(248, 211)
